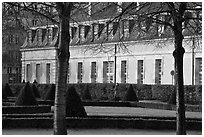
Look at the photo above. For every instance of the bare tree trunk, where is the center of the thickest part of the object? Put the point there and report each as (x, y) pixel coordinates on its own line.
(180, 102)
(63, 55)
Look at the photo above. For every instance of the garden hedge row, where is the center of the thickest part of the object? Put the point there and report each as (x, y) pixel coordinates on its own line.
(26, 109)
(103, 122)
(105, 91)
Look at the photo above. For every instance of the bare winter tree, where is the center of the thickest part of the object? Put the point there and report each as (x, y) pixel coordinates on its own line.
(176, 16)
(179, 19)
(61, 17)
(161, 20)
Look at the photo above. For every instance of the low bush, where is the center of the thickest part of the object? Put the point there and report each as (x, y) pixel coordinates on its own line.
(26, 97)
(74, 106)
(35, 91)
(26, 109)
(130, 94)
(105, 91)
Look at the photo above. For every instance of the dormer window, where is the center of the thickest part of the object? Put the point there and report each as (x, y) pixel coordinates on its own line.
(54, 33)
(100, 29)
(73, 31)
(33, 33)
(131, 25)
(148, 23)
(115, 27)
(161, 26)
(39, 35)
(43, 34)
(86, 31)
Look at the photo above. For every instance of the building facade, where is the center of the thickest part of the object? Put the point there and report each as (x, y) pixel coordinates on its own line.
(123, 51)
(142, 62)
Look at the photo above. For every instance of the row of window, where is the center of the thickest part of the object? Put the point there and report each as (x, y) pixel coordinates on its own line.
(40, 35)
(38, 72)
(108, 72)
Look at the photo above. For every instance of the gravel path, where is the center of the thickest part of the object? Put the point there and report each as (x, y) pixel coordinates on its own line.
(135, 111)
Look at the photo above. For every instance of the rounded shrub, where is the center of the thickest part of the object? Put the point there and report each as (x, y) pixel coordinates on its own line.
(35, 91)
(86, 94)
(74, 106)
(172, 99)
(50, 95)
(7, 92)
(26, 97)
(130, 94)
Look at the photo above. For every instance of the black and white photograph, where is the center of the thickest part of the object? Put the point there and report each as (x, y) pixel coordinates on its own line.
(101, 68)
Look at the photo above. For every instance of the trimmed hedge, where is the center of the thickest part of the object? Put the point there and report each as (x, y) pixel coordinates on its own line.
(130, 94)
(26, 97)
(50, 95)
(74, 106)
(26, 109)
(6, 91)
(100, 122)
(105, 91)
(35, 91)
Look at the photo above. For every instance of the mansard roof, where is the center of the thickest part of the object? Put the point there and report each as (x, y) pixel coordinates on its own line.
(40, 37)
(97, 28)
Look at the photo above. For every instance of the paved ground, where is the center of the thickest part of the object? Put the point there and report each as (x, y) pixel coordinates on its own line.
(135, 111)
(95, 132)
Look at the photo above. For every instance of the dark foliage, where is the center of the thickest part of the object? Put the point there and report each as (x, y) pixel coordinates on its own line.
(172, 99)
(130, 94)
(35, 91)
(104, 91)
(104, 95)
(86, 94)
(74, 107)
(26, 97)
(7, 92)
(4, 96)
(50, 95)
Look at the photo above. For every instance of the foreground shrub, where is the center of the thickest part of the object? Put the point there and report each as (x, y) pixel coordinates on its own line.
(86, 94)
(50, 95)
(74, 107)
(7, 92)
(26, 96)
(35, 91)
(130, 94)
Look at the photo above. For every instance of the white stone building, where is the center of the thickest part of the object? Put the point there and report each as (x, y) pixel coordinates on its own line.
(143, 61)
(143, 54)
